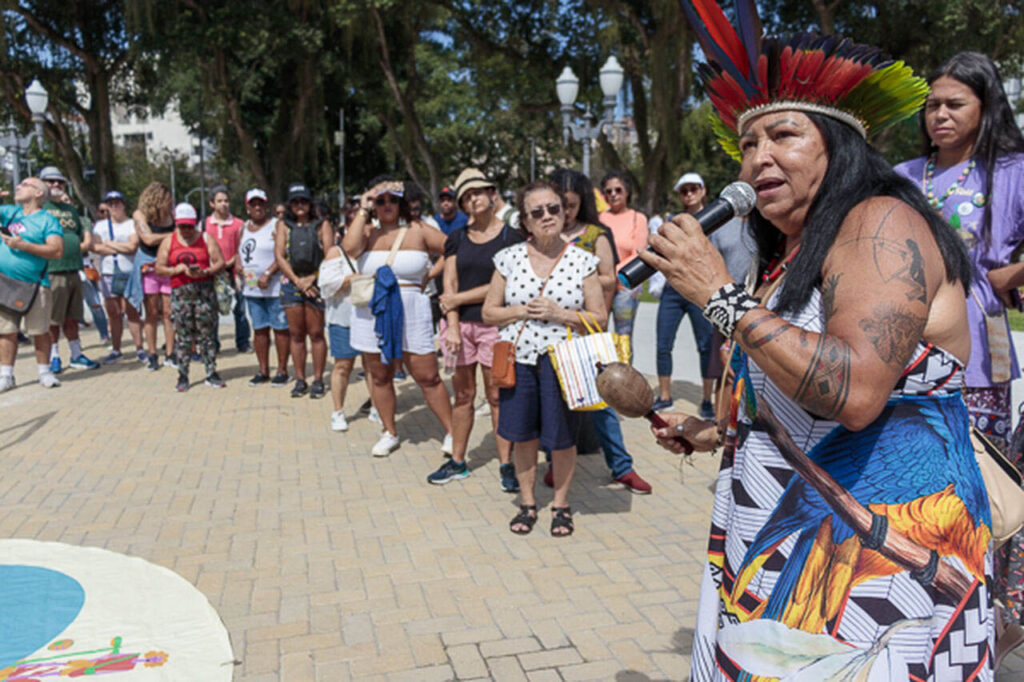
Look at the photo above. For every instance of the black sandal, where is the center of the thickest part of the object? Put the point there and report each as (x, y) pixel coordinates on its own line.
(524, 518)
(561, 518)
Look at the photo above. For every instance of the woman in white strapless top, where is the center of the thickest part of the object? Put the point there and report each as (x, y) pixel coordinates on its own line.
(412, 268)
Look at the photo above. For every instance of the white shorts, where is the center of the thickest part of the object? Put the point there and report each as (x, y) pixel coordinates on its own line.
(417, 330)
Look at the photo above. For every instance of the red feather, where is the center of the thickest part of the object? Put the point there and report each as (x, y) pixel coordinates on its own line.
(723, 34)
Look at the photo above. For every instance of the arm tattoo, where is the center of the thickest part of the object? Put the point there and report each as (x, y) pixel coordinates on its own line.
(908, 268)
(826, 383)
(828, 295)
(894, 332)
(752, 342)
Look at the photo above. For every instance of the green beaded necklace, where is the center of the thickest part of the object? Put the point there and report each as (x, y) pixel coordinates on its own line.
(929, 185)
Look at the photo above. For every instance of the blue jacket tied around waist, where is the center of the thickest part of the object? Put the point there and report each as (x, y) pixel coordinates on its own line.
(386, 306)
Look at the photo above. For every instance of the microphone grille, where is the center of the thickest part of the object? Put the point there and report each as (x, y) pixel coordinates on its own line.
(741, 196)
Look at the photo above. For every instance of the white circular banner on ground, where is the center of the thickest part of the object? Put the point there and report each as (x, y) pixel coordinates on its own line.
(69, 611)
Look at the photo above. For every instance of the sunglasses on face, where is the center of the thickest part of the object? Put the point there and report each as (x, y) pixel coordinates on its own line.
(386, 199)
(538, 212)
(615, 190)
(688, 189)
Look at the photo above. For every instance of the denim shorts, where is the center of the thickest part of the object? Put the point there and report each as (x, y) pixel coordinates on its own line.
(534, 408)
(266, 311)
(290, 297)
(338, 336)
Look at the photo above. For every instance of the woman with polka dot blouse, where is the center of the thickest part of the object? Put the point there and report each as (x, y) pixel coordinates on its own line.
(537, 289)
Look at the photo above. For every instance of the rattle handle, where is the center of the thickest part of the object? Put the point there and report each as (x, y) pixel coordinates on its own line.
(660, 423)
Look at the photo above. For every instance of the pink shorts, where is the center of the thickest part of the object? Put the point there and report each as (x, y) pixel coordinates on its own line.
(478, 341)
(153, 283)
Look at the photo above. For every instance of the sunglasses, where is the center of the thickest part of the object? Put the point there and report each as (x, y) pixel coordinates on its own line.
(386, 199)
(687, 189)
(615, 190)
(538, 213)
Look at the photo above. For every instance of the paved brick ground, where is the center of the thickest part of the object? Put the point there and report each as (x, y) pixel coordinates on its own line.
(327, 564)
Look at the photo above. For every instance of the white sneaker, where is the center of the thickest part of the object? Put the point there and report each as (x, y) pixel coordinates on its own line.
(6, 383)
(338, 422)
(375, 416)
(385, 446)
(446, 446)
(48, 380)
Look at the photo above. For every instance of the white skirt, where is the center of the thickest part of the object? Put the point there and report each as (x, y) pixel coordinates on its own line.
(417, 328)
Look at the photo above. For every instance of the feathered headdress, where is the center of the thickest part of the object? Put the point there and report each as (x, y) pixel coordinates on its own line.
(746, 75)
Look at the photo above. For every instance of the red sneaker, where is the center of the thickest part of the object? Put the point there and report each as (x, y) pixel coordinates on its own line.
(634, 484)
(549, 477)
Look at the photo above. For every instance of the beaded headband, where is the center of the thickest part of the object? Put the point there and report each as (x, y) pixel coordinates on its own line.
(748, 75)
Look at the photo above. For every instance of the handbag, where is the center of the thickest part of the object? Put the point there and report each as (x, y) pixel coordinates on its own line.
(362, 285)
(997, 332)
(575, 363)
(119, 280)
(16, 295)
(1003, 486)
(503, 366)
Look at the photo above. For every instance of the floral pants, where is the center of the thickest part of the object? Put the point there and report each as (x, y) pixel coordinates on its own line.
(194, 314)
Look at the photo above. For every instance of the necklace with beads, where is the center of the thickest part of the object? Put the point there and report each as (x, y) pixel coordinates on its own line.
(929, 185)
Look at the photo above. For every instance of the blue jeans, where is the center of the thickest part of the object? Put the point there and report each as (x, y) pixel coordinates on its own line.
(99, 317)
(606, 424)
(241, 322)
(671, 310)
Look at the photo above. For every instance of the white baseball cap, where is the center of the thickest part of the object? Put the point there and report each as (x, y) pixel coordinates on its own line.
(255, 193)
(688, 179)
(185, 214)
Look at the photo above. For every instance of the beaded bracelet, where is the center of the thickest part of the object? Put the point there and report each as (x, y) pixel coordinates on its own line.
(726, 306)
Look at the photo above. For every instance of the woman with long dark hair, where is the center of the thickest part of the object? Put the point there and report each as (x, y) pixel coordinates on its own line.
(972, 172)
(850, 517)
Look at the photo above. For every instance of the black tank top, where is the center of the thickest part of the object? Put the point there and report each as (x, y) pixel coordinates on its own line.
(151, 250)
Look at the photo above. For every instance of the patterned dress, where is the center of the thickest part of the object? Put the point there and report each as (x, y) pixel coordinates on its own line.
(790, 591)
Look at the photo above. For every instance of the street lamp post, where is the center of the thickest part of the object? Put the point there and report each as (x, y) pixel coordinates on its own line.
(568, 87)
(37, 100)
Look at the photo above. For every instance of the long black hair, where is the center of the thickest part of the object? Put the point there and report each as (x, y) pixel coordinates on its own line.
(856, 172)
(578, 183)
(998, 133)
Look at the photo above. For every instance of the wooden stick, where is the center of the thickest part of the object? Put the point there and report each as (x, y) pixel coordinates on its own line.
(896, 547)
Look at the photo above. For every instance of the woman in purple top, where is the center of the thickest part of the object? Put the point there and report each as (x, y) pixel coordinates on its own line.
(973, 173)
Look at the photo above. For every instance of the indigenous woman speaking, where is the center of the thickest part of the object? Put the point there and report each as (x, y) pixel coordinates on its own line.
(850, 531)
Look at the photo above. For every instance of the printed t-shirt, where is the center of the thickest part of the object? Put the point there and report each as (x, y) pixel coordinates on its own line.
(73, 230)
(33, 228)
(109, 231)
(256, 254)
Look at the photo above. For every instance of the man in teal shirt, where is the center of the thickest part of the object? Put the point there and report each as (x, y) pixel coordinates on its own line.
(30, 237)
(65, 284)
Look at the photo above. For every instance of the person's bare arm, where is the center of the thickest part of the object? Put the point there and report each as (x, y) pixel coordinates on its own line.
(494, 310)
(50, 249)
(878, 282)
(217, 262)
(146, 236)
(162, 266)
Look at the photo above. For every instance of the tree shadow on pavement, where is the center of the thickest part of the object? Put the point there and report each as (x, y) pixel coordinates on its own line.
(24, 430)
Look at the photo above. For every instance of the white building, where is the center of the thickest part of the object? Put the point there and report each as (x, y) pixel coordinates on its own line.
(156, 134)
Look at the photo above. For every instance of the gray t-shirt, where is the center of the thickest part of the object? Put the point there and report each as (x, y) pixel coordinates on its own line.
(737, 246)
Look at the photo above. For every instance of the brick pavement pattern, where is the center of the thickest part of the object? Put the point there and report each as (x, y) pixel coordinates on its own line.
(328, 564)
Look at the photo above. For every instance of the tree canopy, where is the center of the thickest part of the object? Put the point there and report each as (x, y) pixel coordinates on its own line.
(427, 87)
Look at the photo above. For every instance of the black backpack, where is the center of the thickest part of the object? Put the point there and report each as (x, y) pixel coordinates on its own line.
(305, 250)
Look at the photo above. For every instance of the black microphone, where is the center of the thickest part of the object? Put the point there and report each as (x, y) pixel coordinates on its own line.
(737, 199)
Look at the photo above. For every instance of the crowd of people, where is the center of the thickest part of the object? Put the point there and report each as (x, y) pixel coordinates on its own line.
(858, 304)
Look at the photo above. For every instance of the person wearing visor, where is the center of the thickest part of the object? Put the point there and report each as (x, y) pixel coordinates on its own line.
(190, 260)
(300, 242)
(406, 246)
(115, 240)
